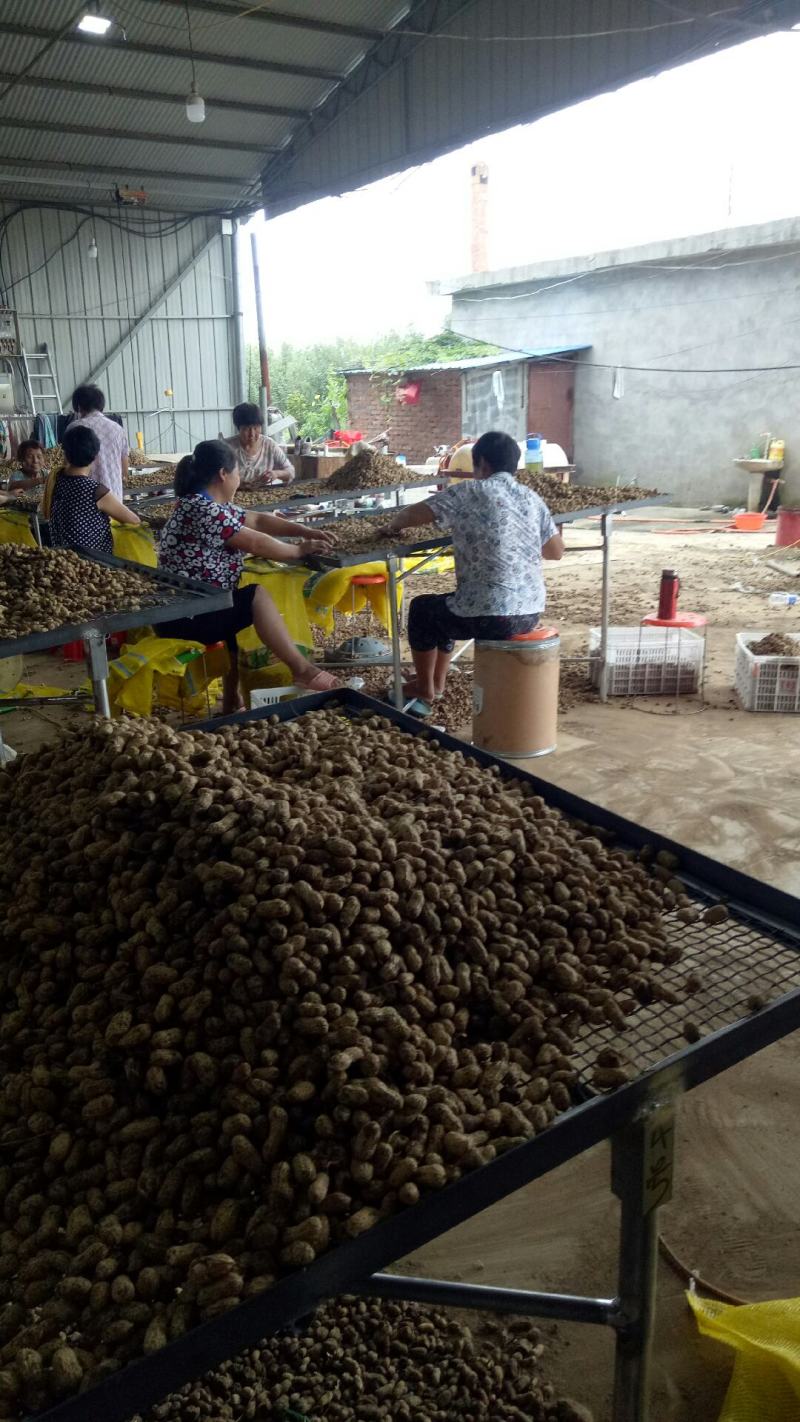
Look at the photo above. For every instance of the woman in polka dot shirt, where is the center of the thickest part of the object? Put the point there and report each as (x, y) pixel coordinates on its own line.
(207, 536)
(79, 509)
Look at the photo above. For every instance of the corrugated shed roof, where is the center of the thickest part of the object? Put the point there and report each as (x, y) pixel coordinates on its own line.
(469, 363)
(326, 94)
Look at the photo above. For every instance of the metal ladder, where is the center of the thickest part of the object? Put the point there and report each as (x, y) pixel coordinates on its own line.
(41, 384)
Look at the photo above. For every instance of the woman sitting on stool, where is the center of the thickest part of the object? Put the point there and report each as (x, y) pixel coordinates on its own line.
(501, 532)
(206, 537)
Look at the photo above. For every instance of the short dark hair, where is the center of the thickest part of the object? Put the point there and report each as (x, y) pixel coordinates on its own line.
(195, 471)
(26, 445)
(247, 414)
(86, 398)
(80, 445)
(500, 451)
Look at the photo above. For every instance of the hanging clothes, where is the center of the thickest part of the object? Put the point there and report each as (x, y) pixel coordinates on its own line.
(5, 441)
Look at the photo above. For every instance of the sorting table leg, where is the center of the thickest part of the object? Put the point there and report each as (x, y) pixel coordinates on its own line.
(95, 645)
(394, 621)
(607, 528)
(641, 1178)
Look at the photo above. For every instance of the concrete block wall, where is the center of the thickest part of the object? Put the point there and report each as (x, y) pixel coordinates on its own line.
(725, 305)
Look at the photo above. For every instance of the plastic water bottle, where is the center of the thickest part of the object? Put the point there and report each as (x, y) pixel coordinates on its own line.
(783, 599)
(534, 453)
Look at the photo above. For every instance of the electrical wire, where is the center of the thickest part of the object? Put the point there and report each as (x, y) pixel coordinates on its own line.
(727, 14)
(654, 269)
(642, 369)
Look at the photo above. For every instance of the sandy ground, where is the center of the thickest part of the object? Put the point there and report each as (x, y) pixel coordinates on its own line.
(711, 776)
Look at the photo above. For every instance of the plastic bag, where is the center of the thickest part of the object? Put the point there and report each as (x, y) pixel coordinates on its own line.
(285, 587)
(15, 527)
(765, 1386)
(130, 677)
(333, 591)
(135, 544)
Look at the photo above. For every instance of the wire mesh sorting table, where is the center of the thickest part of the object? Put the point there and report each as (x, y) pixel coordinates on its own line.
(749, 998)
(292, 497)
(182, 597)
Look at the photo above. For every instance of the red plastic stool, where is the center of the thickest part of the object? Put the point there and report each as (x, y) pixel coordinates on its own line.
(366, 580)
(539, 634)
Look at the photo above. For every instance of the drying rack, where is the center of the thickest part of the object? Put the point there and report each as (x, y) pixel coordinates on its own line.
(756, 951)
(183, 597)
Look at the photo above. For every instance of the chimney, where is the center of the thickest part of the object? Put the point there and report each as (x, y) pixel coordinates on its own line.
(479, 237)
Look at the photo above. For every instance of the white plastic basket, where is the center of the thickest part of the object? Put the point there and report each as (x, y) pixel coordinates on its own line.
(650, 661)
(270, 695)
(767, 683)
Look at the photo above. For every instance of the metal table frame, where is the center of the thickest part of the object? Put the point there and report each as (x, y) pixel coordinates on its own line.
(638, 1120)
(197, 597)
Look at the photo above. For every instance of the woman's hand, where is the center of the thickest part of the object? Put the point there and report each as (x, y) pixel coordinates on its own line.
(311, 547)
(325, 536)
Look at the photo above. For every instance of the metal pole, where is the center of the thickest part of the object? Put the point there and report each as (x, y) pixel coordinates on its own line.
(394, 621)
(237, 319)
(607, 528)
(526, 1303)
(95, 645)
(641, 1178)
(264, 390)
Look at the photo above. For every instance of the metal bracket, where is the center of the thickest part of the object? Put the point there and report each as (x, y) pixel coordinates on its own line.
(95, 645)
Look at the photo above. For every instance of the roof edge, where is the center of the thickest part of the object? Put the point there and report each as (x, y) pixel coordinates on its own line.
(466, 363)
(724, 242)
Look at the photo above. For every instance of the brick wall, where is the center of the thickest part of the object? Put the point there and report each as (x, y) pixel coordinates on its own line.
(414, 430)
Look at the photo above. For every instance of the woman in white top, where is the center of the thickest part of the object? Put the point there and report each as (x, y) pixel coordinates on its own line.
(501, 531)
(261, 460)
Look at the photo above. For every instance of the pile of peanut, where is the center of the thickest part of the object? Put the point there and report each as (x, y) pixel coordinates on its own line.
(570, 498)
(364, 1359)
(367, 534)
(42, 589)
(262, 988)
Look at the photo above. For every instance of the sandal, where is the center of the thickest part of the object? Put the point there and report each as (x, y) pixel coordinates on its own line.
(423, 710)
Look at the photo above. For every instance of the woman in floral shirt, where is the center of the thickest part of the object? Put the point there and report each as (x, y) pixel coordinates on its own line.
(206, 538)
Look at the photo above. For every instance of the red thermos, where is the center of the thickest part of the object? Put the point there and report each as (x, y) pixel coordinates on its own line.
(668, 594)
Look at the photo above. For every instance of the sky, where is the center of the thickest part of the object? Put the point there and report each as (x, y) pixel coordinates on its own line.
(699, 148)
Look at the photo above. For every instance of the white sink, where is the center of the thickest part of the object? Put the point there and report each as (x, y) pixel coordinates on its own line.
(759, 466)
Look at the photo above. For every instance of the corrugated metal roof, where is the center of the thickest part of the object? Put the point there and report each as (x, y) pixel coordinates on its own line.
(470, 363)
(344, 90)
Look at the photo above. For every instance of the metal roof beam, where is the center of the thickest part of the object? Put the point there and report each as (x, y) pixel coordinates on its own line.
(147, 96)
(424, 17)
(161, 51)
(51, 165)
(136, 135)
(278, 17)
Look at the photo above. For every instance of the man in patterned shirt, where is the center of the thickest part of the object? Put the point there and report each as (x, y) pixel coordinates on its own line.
(501, 532)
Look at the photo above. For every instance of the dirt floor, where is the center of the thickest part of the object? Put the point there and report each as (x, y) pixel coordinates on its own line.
(723, 781)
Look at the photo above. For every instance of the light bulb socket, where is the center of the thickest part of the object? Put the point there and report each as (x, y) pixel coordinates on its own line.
(195, 106)
(91, 250)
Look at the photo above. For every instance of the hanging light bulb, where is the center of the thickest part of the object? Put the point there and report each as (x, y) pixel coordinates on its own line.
(195, 105)
(91, 250)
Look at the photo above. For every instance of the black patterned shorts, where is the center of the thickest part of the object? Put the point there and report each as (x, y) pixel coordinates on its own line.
(431, 625)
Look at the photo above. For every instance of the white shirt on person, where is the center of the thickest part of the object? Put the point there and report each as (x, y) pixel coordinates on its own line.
(499, 529)
(107, 467)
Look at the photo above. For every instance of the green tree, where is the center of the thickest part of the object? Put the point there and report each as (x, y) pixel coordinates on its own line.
(305, 380)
